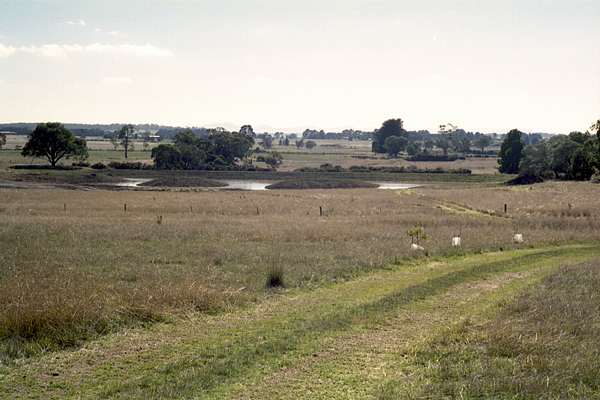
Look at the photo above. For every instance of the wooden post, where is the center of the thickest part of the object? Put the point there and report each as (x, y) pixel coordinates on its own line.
(321, 211)
(505, 208)
(125, 207)
(257, 211)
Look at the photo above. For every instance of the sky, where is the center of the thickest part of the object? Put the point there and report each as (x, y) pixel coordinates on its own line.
(283, 65)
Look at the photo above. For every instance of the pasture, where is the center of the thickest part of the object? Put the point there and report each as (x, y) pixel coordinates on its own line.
(238, 294)
(82, 263)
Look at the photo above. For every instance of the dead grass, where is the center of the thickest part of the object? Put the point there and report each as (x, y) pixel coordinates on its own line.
(70, 275)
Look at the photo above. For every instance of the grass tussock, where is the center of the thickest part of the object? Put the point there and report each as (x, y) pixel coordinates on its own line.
(275, 277)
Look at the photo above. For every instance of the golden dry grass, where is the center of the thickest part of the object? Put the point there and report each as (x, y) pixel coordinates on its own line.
(69, 275)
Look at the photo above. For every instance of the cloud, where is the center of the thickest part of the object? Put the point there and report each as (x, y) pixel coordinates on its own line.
(6, 51)
(63, 50)
(79, 23)
(117, 80)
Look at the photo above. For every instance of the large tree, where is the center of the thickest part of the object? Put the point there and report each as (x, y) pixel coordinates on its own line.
(248, 131)
(536, 161)
(391, 127)
(511, 152)
(395, 144)
(52, 141)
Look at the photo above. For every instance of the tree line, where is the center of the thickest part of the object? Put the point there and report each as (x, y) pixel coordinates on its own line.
(393, 139)
(218, 149)
(575, 156)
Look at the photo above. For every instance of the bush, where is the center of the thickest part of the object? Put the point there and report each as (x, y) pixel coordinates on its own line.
(81, 164)
(129, 165)
(275, 278)
(98, 165)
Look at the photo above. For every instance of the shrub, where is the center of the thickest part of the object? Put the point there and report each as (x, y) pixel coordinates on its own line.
(275, 278)
(98, 165)
(129, 165)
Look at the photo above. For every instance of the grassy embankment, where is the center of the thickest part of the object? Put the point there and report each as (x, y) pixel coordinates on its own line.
(366, 338)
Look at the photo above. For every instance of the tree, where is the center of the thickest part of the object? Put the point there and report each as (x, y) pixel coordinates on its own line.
(395, 144)
(52, 141)
(596, 130)
(443, 142)
(561, 151)
(193, 151)
(2, 140)
(391, 127)
(511, 152)
(167, 156)
(581, 167)
(126, 137)
(310, 144)
(81, 150)
(248, 131)
(230, 146)
(536, 161)
(482, 141)
(413, 149)
(463, 145)
(428, 145)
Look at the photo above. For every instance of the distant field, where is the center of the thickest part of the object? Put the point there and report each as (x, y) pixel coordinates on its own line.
(336, 152)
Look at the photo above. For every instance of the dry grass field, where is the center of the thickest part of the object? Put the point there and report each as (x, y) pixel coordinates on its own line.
(76, 264)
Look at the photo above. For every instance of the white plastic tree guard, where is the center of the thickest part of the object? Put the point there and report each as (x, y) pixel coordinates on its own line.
(416, 247)
(456, 242)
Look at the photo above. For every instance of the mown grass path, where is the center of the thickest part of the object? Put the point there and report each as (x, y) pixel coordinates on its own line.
(333, 342)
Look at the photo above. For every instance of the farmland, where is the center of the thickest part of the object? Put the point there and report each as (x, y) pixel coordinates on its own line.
(172, 284)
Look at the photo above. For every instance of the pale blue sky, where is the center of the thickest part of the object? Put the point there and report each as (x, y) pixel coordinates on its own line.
(488, 65)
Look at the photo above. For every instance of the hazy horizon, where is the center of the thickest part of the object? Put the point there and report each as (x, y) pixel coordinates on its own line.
(288, 66)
